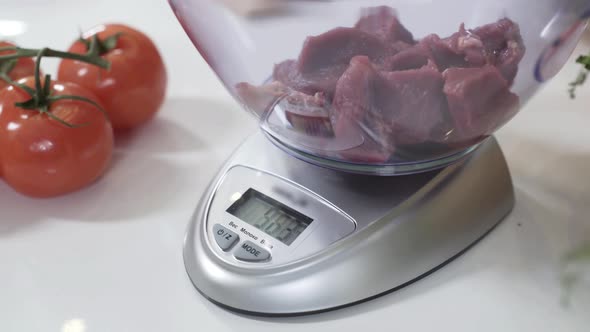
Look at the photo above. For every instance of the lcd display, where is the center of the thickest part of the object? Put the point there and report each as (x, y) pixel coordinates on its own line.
(272, 217)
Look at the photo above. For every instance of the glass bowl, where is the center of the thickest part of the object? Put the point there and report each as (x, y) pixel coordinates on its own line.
(383, 87)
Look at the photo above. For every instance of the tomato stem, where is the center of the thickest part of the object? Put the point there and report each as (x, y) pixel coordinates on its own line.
(6, 66)
(47, 86)
(7, 79)
(97, 46)
(45, 110)
(20, 52)
(41, 95)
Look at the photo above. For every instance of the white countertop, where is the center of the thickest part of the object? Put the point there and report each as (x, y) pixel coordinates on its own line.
(108, 258)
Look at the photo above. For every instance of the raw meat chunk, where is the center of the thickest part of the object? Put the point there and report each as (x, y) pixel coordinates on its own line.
(308, 114)
(498, 44)
(462, 49)
(442, 54)
(397, 47)
(414, 57)
(336, 47)
(479, 101)
(412, 104)
(324, 80)
(496, 35)
(504, 46)
(352, 110)
(390, 107)
(508, 60)
(469, 45)
(353, 98)
(383, 22)
(325, 58)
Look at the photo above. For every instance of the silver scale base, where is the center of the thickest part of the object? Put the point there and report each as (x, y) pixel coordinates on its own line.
(370, 236)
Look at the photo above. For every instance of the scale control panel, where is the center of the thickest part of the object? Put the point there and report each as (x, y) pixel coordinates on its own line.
(260, 219)
(248, 251)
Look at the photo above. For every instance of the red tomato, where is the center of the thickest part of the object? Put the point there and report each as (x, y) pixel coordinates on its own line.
(24, 67)
(134, 88)
(42, 157)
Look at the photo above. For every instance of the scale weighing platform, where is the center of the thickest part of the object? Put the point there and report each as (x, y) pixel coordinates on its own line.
(277, 236)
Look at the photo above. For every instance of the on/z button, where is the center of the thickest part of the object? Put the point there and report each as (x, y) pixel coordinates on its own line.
(224, 237)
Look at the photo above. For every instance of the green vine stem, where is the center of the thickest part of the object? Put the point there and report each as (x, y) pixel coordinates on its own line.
(92, 56)
(6, 66)
(19, 52)
(42, 96)
(97, 46)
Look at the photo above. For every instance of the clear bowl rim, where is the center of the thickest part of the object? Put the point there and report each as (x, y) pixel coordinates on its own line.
(391, 169)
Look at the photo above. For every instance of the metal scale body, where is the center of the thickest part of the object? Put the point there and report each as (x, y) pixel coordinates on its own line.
(368, 235)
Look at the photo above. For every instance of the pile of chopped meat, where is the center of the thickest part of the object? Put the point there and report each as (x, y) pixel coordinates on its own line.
(401, 92)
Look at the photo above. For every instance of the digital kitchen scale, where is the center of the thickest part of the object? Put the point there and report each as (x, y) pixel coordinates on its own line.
(274, 235)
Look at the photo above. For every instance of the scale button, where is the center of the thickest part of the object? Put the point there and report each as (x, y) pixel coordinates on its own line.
(249, 252)
(224, 237)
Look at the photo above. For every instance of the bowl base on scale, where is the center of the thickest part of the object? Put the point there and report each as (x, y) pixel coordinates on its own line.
(276, 236)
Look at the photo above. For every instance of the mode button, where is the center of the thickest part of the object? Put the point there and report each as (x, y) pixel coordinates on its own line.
(250, 252)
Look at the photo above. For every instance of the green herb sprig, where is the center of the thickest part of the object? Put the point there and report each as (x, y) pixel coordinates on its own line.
(582, 76)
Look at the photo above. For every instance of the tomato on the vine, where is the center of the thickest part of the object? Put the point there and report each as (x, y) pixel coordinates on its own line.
(133, 89)
(53, 150)
(24, 67)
